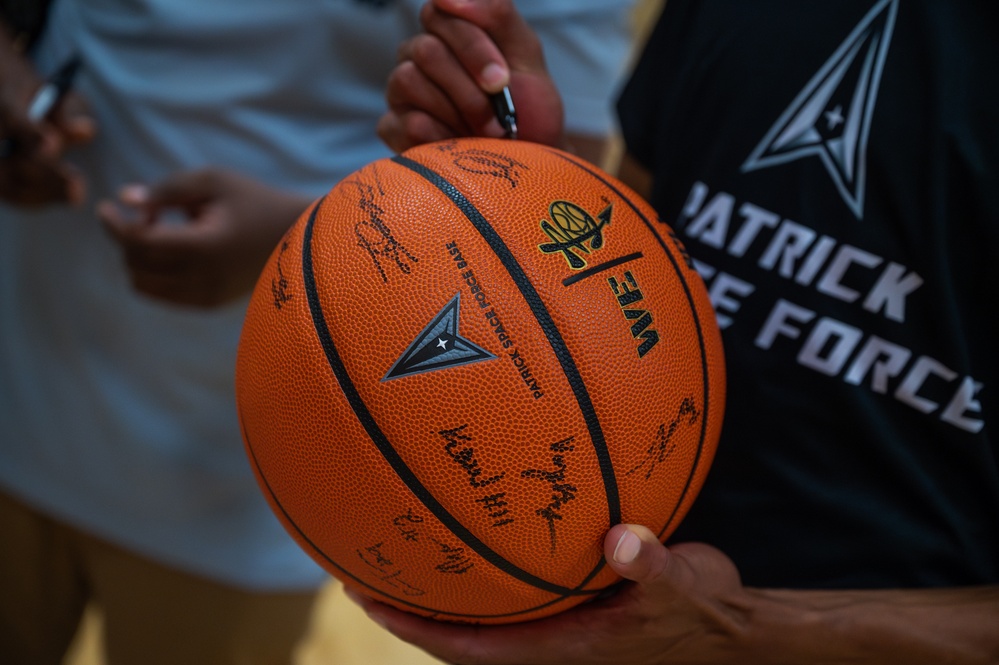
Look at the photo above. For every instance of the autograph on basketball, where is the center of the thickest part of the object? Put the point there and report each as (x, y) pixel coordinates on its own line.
(386, 569)
(408, 525)
(663, 446)
(458, 449)
(562, 491)
(279, 284)
(373, 235)
(464, 456)
(454, 562)
(485, 162)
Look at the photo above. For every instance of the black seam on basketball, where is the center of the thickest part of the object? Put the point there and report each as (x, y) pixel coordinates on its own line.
(386, 448)
(533, 299)
(315, 548)
(697, 325)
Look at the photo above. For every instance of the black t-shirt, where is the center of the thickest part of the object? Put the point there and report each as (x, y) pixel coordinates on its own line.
(834, 169)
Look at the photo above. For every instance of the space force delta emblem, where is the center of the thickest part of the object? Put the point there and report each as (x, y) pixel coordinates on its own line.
(439, 346)
(831, 116)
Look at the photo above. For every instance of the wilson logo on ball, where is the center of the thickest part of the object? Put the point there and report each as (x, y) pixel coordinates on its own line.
(628, 294)
(439, 346)
(574, 232)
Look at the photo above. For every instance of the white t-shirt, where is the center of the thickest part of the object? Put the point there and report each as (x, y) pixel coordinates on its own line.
(116, 411)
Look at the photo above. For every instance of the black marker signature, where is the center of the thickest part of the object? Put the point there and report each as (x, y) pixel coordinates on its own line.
(562, 492)
(410, 525)
(373, 235)
(386, 569)
(663, 445)
(279, 284)
(404, 523)
(465, 456)
(485, 162)
(456, 562)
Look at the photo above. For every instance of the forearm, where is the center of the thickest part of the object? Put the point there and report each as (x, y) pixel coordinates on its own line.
(911, 627)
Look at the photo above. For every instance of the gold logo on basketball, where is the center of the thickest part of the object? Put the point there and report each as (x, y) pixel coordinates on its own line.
(574, 232)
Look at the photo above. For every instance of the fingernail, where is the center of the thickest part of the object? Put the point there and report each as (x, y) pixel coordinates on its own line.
(627, 548)
(494, 77)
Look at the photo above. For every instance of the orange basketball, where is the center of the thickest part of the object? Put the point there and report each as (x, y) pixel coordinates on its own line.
(466, 363)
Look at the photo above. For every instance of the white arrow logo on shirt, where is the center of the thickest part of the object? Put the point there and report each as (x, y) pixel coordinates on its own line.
(831, 117)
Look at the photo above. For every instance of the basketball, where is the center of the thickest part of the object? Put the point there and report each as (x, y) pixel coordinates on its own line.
(467, 362)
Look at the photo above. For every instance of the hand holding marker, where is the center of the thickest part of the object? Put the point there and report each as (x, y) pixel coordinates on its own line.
(54, 90)
(50, 94)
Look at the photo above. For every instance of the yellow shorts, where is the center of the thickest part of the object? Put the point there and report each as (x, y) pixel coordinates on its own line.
(152, 614)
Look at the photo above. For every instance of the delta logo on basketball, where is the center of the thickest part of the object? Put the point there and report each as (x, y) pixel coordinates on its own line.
(464, 458)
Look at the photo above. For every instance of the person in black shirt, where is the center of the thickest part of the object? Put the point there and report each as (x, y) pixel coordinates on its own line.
(834, 171)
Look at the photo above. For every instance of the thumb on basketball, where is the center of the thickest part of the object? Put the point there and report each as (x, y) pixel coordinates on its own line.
(636, 554)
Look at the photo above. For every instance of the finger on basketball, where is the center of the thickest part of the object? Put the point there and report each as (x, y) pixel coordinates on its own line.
(635, 553)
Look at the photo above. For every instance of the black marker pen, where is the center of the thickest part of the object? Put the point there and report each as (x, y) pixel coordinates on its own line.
(51, 93)
(55, 88)
(505, 111)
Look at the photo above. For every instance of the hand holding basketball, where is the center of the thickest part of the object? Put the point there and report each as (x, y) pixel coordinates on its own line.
(684, 603)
